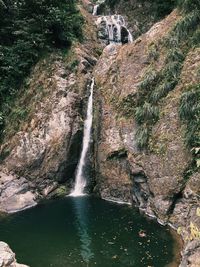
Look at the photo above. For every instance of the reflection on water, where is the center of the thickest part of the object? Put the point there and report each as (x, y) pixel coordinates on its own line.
(81, 213)
(86, 232)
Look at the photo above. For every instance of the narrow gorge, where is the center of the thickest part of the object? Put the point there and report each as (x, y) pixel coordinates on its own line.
(100, 147)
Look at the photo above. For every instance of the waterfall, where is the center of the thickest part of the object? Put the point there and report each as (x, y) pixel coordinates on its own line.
(95, 10)
(113, 28)
(80, 180)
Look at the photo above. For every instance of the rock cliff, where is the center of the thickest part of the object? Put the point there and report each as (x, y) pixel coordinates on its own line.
(154, 179)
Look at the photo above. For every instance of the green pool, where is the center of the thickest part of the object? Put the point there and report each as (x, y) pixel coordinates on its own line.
(86, 231)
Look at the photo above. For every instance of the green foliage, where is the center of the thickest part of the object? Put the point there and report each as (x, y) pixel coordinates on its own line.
(127, 105)
(161, 8)
(74, 65)
(61, 191)
(28, 30)
(186, 25)
(142, 136)
(153, 53)
(162, 90)
(174, 55)
(189, 105)
(195, 39)
(157, 84)
(172, 70)
(149, 80)
(146, 113)
(188, 5)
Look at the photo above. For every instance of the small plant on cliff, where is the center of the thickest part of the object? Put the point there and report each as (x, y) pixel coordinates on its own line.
(196, 38)
(162, 90)
(172, 70)
(153, 53)
(127, 105)
(146, 114)
(192, 232)
(150, 79)
(174, 55)
(142, 136)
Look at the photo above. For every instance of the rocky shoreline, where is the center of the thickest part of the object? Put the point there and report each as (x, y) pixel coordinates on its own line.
(7, 257)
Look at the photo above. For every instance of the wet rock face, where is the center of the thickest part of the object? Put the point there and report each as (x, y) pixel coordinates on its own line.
(7, 257)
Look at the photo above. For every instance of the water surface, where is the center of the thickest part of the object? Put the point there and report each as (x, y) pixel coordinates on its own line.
(86, 231)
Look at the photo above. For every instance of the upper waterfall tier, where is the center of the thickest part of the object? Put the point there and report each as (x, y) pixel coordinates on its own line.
(113, 29)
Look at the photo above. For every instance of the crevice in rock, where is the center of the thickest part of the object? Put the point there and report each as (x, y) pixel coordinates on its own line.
(175, 199)
(140, 190)
(122, 153)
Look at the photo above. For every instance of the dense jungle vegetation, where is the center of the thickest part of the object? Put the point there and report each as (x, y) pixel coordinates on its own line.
(28, 30)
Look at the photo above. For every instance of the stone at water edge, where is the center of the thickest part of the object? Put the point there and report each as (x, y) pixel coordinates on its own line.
(15, 193)
(7, 257)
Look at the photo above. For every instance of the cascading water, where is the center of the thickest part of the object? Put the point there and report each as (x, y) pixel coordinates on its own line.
(117, 32)
(95, 9)
(80, 180)
(113, 29)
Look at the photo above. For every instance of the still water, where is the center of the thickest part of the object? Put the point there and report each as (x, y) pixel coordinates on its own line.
(86, 232)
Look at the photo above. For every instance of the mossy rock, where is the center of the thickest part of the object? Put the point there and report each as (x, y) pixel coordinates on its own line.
(61, 191)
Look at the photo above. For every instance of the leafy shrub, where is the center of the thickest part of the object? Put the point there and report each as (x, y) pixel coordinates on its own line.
(127, 105)
(142, 136)
(146, 113)
(153, 53)
(162, 90)
(149, 80)
(172, 70)
(196, 38)
(161, 8)
(174, 54)
(186, 25)
(188, 5)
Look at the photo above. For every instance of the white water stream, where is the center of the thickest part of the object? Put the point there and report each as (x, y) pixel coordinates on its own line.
(80, 180)
(114, 26)
(95, 9)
